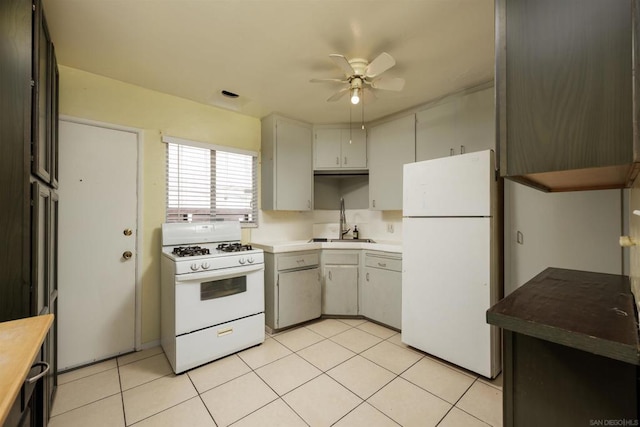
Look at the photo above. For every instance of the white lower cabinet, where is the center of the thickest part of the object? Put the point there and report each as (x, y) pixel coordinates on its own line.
(298, 296)
(381, 290)
(340, 284)
(292, 288)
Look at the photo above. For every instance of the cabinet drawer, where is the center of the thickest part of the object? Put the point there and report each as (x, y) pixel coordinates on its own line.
(340, 258)
(393, 264)
(288, 262)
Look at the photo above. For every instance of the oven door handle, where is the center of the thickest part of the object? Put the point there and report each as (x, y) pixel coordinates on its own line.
(218, 274)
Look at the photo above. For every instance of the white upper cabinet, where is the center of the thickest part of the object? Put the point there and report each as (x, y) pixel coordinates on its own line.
(287, 159)
(391, 145)
(340, 149)
(456, 126)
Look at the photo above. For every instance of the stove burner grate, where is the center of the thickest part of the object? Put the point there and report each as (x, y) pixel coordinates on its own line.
(190, 251)
(234, 247)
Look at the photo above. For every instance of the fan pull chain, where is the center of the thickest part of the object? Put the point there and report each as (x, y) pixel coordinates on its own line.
(350, 126)
(363, 113)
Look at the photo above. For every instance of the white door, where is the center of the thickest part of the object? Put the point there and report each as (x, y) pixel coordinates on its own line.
(98, 204)
(446, 289)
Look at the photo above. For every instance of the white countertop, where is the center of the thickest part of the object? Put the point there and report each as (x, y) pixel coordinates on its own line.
(304, 245)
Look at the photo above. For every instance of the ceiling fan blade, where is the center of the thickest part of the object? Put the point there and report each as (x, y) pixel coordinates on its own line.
(388, 83)
(382, 63)
(342, 62)
(328, 80)
(368, 96)
(339, 94)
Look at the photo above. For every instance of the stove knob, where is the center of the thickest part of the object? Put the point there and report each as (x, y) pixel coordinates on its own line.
(242, 261)
(251, 260)
(194, 266)
(205, 266)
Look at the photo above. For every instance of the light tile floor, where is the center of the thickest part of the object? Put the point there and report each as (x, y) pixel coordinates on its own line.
(341, 372)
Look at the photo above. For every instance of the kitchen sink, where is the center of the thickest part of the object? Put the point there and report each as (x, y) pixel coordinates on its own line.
(324, 239)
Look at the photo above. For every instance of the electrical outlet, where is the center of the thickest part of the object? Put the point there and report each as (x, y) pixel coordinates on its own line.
(390, 228)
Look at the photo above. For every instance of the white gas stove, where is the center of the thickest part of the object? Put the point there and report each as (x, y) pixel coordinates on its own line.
(212, 293)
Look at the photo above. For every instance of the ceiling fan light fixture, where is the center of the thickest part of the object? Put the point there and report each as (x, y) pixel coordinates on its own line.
(355, 95)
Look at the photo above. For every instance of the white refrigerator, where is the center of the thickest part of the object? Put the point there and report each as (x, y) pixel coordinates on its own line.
(451, 261)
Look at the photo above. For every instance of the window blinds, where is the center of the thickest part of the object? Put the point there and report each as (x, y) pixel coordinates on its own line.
(205, 184)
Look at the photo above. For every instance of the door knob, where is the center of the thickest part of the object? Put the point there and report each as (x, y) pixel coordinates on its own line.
(127, 232)
(127, 255)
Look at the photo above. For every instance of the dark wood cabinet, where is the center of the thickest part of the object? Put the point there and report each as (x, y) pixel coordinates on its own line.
(565, 92)
(43, 144)
(15, 134)
(28, 178)
(570, 350)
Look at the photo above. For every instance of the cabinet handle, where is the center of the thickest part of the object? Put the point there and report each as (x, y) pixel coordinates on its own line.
(330, 278)
(40, 375)
(382, 264)
(345, 160)
(374, 203)
(451, 152)
(367, 276)
(337, 160)
(309, 204)
(300, 261)
(462, 150)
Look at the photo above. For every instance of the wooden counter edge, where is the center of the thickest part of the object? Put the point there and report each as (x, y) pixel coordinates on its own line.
(20, 357)
(599, 346)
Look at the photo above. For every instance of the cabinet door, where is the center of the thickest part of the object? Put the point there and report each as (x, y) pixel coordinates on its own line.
(340, 291)
(40, 247)
(50, 381)
(391, 145)
(382, 296)
(55, 83)
(326, 149)
(294, 174)
(15, 134)
(567, 89)
(354, 148)
(435, 132)
(41, 122)
(475, 122)
(299, 296)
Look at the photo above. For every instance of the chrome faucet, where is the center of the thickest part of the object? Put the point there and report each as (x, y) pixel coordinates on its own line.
(343, 220)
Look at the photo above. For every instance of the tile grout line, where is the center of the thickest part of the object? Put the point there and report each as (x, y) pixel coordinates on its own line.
(124, 413)
(86, 404)
(466, 412)
(200, 397)
(321, 372)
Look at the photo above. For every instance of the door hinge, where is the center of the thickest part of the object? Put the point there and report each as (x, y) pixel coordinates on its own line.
(33, 83)
(33, 7)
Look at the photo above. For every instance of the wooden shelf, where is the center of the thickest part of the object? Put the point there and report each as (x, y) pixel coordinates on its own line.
(592, 312)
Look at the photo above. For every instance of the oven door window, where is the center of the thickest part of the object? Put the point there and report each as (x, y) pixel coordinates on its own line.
(223, 288)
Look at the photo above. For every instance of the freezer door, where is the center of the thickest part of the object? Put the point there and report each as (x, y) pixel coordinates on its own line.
(446, 290)
(461, 185)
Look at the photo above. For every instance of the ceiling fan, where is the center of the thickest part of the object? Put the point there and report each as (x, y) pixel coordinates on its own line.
(362, 77)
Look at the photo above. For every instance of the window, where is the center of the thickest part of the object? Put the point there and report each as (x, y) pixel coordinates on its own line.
(209, 183)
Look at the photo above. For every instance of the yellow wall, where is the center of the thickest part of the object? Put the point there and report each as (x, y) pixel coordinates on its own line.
(94, 97)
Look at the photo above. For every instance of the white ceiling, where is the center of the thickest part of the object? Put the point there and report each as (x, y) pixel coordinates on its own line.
(267, 50)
